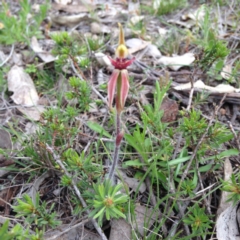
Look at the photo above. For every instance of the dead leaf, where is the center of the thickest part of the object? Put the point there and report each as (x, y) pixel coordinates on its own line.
(71, 20)
(71, 8)
(6, 144)
(136, 19)
(97, 28)
(226, 72)
(71, 232)
(226, 225)
(153, 51)
(136, 44)
(134, 7)
(133, 183)
(170, 108)
(144, 215)
(176, 62)
(24, 92)
(221, 88)
(33, 113)
(103, 59)
(162, 31)
(120, 230)
(197, 15)
(63, 2)
(5, 139)
(44, 55)
(224, 195)
(22, 86)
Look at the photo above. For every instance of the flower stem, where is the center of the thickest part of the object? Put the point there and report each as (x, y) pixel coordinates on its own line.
(119, 136)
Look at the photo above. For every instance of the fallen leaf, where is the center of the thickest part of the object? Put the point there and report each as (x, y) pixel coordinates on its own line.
(24, 93)
(153, 51)
(97, 28)
(136, 19)
(162, 31)
(221, 88)
(176, 62)
(136, 44)
(44, 55)
(224, 195)
(226, 225)
(5, 139)
(133, 183)
(103, 59)
(197, 15)
(33, 113)
(6, 144)
(170, 108)
(144, 215)
(134, 7)
(22, 86)
(63, 2)
(226, 72)
(71, 20)
(120, 229)
(71, 232)
(71, 8)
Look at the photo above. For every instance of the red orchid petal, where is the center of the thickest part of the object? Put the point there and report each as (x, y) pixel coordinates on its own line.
(111, 86)
(124, 89)
(121, 63)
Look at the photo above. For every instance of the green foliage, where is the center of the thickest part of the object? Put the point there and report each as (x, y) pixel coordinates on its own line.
(36, 212)
(81, 92)
(17, 232)
(83, 165)
(151, 117)
(164, 7)
(69, 48)
(193, 127)
(233, 187)
(43, 78)
(107, 200)
(214, 49)
(198, 220)
(21, 28)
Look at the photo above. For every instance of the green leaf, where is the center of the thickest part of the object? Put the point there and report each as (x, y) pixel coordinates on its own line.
(135, 163)
(98, 128)
(219, 65)
(228, 153)
(178, 160)
(99, 213)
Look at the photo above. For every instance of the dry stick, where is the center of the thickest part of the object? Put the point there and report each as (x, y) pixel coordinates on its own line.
(199, 143)
(59, 162)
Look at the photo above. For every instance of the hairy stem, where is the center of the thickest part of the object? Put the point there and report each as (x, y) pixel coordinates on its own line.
(118, 141)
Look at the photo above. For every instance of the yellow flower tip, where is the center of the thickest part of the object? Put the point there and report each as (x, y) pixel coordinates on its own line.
(121, 35)
(122, 51)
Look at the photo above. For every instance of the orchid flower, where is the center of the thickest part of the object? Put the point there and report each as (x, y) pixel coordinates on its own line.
(119, 77)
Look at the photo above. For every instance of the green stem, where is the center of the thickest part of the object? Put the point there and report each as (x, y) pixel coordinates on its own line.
(116, 149)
